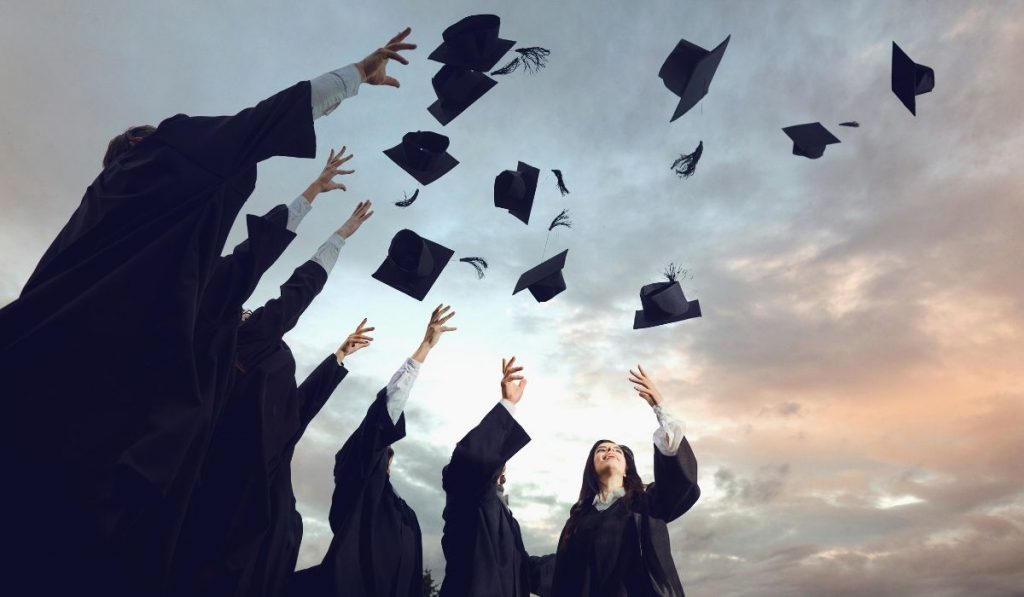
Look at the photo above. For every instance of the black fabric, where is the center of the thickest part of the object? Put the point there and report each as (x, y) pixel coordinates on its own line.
(483, 546)
(108, 450)
(377, 549)
(620, 553)
(264, 416)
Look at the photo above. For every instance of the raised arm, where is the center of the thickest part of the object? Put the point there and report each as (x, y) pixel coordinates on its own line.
(281, 125)
(675, 489)
(480, 456)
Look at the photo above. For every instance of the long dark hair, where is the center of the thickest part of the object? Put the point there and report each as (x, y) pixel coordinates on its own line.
(591, 486)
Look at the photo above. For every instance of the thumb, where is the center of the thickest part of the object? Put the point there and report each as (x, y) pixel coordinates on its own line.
(392, 82)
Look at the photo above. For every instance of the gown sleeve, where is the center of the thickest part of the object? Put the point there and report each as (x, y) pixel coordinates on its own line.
(236, 275)
(675, 488)
(480, 455)
(281, 125)
(363, 455)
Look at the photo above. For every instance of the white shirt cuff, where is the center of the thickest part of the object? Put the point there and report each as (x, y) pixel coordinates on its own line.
(297, 210)
(400, 386)
(669, 434)
(327, 255)
(511, 407)
(329, 89)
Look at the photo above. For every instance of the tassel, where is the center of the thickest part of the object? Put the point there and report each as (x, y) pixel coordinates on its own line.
(408, 200)
(850, 123)
(532, 60)
(478, 263)
(561, 219)
(686, 164)
(561, 183)
(675, 272)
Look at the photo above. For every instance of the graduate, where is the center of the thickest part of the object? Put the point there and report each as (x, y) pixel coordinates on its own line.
(106, 449)
(483, 547)
(616, 543)
(377, 548)
(263, 417)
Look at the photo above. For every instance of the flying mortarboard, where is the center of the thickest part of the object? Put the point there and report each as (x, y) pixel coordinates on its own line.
(909, 79)
(413, 264)
(424, 155)
(809, 140)
(544, 281)
(457, 88)
(664, 302)
(473, 43)
(514, 190)
(687, 72)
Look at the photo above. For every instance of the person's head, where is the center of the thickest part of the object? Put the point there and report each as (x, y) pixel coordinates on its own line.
(391, 458)
(246, 314)
(125, 141)
(605, 461)
(501, 477)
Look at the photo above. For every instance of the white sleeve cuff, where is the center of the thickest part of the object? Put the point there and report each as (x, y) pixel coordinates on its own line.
(669, 434)
(511, 407)
(400, 386)
(297, 210)
(329, 89)
(327, 255)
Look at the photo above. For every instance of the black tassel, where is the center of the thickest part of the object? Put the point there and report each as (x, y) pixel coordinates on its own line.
(686, 164)
(478, 263)
(850, 123)
(561, 183)
(408, 200)
(561, 219)
(675, 272)
(532, 60)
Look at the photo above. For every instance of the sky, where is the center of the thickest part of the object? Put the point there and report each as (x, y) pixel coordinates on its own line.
(853, 392)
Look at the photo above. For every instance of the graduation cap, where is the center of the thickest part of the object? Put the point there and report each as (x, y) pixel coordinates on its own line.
(809, 140)
(424, 155)
(413, 264)
(545, 281)
(473, 43)
(514, 190)
(687, 72)
(664, 302)
(457, 88)
(909, 79)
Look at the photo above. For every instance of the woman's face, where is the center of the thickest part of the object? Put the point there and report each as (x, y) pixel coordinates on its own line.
(609, 459)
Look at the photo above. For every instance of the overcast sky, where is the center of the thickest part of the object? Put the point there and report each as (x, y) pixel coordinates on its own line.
(853, 392)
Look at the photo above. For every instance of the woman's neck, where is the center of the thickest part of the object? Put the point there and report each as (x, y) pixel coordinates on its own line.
(608, 485)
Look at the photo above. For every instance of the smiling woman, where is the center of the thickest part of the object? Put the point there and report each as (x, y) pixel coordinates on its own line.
(616, 539)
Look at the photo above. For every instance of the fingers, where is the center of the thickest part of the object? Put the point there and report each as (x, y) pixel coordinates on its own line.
(391, 82)
(404, 33)
(503, 366)
(510, 363)
(448, 329)
(392, 55)
(642, 372)
(446, 318)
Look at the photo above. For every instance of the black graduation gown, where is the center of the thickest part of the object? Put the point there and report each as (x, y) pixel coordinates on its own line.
(377, 549)
(104, 388)
(483, 546)
(230, 513)
(627, 553)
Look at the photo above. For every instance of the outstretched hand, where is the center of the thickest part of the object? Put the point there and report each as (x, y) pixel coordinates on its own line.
(512, 384)
(435, 329)
(361, 213)
(372, 69)
(325, 181)
(644, 386)
(357, 340)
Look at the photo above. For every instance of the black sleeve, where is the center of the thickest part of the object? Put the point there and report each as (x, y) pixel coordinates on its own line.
(269, 323)
(542, 574)
(363, 456)
(315, 390)
(235, 276)
(675, 488)
(281, 125)
(479, 457)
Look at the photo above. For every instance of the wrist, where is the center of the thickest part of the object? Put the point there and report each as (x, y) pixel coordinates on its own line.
(421, 353)
(310, 193)
(362, 73)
